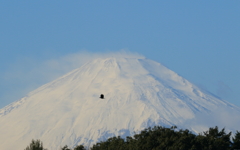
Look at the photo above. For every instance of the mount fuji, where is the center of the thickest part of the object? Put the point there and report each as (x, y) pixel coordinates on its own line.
(138, 93)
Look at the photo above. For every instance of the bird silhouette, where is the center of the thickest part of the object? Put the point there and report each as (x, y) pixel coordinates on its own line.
(101, 96)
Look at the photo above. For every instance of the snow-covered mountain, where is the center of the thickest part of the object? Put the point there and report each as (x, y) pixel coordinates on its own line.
(138, 93)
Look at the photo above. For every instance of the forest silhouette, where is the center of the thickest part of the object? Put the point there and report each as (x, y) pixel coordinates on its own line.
(162, 138)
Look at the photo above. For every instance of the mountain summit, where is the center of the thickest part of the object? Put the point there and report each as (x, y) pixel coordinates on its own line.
(138, 93)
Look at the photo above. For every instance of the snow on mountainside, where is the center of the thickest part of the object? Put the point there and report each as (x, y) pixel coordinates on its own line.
(138, 93)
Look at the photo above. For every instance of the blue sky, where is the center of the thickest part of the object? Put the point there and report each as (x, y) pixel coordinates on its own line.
(199, 40)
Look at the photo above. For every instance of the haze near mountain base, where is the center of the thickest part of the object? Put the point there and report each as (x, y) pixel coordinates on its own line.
(138, 93)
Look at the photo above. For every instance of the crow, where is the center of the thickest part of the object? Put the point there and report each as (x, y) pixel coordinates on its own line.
(101, 96)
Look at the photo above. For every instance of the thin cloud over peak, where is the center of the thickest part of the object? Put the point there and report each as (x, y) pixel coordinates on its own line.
(27, 74)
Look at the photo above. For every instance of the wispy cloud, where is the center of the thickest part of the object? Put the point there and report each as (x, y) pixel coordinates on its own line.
(27, 74)
(221, 116)
(223, 90)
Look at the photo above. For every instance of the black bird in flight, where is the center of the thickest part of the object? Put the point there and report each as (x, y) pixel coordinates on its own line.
(101, 96)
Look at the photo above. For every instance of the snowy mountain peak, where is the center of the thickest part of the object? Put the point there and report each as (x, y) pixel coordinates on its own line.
(138, 93)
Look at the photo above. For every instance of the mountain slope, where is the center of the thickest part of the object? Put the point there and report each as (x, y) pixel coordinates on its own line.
(138, 93)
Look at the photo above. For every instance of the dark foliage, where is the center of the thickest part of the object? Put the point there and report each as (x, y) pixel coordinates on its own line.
(35, 145)
(79, 147)
(65, 148)
(161, 138)
(236, 141)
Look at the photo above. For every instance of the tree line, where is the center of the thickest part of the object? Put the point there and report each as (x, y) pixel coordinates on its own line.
(161, 138)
